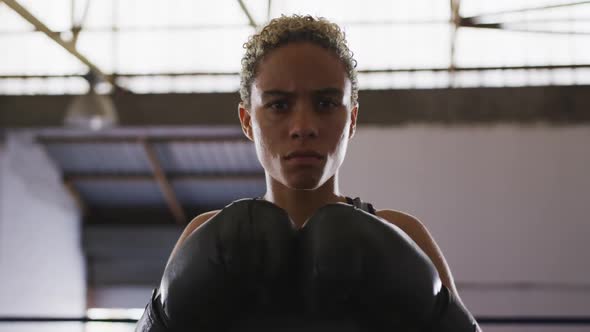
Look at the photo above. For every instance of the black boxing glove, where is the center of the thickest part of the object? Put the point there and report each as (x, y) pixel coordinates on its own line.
(233, 265)
(151, 319)
(355, 264)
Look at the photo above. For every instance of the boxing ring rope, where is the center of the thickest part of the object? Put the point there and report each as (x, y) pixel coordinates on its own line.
(484, 320)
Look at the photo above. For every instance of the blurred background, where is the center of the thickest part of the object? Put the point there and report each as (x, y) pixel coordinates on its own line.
(118, 125)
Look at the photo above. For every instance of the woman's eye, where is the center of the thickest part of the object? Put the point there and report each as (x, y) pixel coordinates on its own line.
(327, 103)
(278, 105)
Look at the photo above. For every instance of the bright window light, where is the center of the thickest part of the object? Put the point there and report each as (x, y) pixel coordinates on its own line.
(112, 313)
(152, 39)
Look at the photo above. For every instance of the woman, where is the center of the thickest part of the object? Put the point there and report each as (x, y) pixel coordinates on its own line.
(299, 106)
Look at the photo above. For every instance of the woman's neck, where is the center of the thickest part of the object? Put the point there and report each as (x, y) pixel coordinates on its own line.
(301, 204)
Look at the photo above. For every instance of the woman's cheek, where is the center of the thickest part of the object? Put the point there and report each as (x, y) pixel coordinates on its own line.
(258, 143)
(263, 147)
(341, 146)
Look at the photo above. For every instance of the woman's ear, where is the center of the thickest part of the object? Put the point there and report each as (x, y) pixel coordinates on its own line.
(353, 117)
(245, 121)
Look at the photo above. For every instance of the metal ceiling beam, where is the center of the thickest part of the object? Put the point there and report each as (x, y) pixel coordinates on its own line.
(77, 25)
(167, 28)
(455, 8)
(98, 139)
(247, 12)
(508, 27)
(483, 21)
(73, 178)
(79, 201)
(167, 190)
(123, 75)
(560, 105)
(526, 10)
(67, 45)
(140, 215)
(193, 27)
(366, 71)
(133, 110)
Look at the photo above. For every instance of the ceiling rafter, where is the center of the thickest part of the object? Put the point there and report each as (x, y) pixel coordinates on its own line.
(526, 10)
(365, 71)
(475, 21)
(97, 139)
(557, 104)
(72, 178)
(76, 196)
(247, 13)
(455, 7)
(164, 184)
(67, 45)
(192, 27)
(77, 24)
(482, 21)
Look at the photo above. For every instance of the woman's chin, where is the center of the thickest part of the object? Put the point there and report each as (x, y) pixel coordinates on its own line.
(303, 183)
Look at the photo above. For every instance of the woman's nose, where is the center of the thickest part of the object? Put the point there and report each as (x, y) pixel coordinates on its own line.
(304, 123)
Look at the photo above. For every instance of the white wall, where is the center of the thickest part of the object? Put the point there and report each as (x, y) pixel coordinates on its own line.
(509, 206)
(41, 261)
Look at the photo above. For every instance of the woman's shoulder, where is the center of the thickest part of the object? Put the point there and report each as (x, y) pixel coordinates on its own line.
(401, 219)
(199, 220)
(191, 227)
(411, 225)
(416, 230)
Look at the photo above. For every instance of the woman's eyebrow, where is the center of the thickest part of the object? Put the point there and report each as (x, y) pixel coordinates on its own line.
(329, 91)
(276, 93)
(320, 92)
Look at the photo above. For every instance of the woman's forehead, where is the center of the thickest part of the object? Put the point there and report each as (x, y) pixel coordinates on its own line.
(298, 66)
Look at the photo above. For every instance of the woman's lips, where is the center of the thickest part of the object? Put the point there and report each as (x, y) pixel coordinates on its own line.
(304, 160)
(304, 157)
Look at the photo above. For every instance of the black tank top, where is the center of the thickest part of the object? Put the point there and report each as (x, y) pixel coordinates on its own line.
(367, 207)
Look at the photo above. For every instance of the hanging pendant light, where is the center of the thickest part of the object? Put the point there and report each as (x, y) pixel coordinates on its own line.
(91, 111)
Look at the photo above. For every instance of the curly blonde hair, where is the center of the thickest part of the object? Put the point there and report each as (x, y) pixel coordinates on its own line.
(286, 29)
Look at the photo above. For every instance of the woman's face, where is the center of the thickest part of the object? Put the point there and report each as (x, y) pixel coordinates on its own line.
(301, 115)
